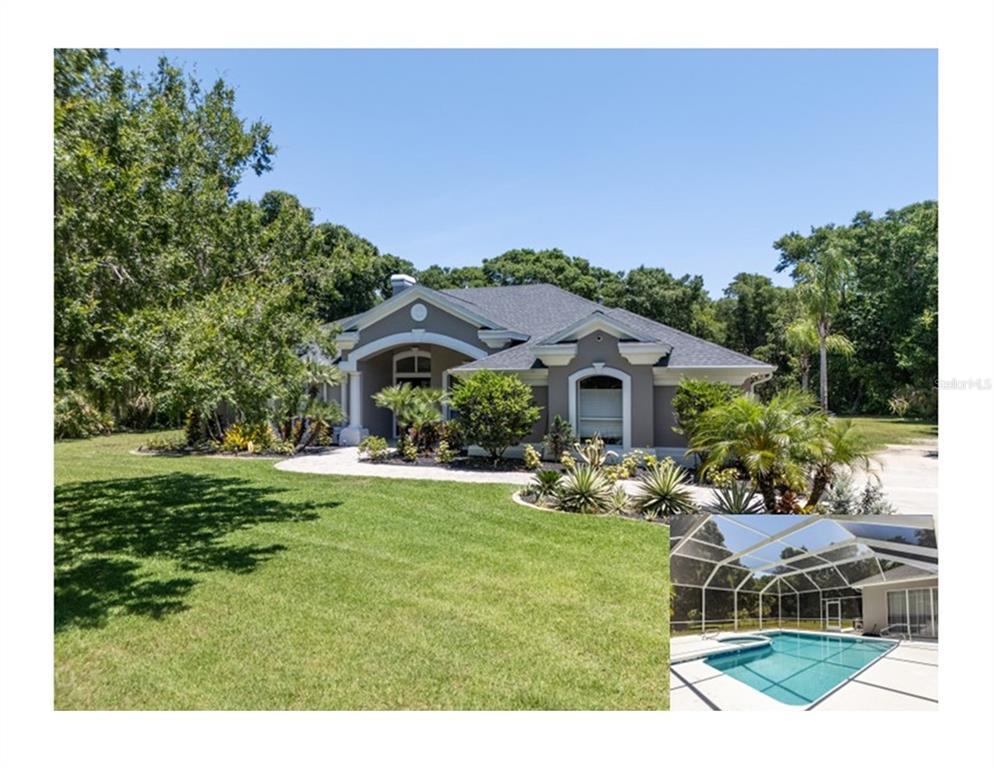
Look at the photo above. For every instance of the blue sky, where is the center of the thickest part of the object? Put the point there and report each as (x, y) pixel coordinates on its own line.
(695, 161)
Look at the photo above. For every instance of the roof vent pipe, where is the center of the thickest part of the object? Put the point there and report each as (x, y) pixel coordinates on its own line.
(400, 283)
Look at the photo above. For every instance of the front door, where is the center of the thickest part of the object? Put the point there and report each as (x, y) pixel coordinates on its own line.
(833, 614)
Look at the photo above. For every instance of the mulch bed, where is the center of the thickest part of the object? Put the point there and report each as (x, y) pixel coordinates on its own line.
(468, 463)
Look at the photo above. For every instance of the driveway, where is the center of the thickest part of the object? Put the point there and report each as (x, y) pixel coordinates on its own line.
(909, 475)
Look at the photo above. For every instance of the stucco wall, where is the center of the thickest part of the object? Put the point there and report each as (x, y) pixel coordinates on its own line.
(875, 600)
(377, 373)
(437, 321)
(664, 419)
(540, 396)
(590, 351)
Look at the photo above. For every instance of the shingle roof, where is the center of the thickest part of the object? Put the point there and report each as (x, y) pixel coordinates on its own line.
(541, 310)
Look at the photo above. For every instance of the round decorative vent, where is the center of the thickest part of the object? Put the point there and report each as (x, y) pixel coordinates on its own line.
(419, 312)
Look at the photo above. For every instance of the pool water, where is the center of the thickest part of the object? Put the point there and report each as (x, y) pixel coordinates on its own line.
(798, 668)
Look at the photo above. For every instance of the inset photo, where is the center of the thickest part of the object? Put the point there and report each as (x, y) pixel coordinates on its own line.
(804, 612)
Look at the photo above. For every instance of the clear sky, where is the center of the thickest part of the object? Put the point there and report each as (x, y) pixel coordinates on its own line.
(695, 161)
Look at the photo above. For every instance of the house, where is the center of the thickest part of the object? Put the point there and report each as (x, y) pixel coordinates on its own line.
(608, 371)
(906, 602)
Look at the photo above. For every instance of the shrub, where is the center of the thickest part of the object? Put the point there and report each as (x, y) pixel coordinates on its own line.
(842, 498)
(247, 437)
(495, 410)
(663, 490)
(409, 450)
(559, 437)
(696, 396)
(449, 432)
(724, 477)
(899, 406)
(585, 490)
(76, 416)
(533, 459)
(736, 498)
(444, 454)
(916, 403)
(374, 448)
(545, 484)
(163, 444)
(567, 460)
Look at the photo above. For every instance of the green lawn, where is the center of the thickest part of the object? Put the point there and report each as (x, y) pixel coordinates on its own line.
(202, 583)
(883, 430)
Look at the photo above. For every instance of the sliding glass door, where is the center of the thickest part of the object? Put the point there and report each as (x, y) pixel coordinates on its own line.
(914, 611)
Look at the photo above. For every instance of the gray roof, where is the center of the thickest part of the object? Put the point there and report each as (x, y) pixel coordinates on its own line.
(541, 310)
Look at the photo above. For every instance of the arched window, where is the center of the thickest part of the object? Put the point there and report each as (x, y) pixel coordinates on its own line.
(413, 366)
(600, 402)
(601, 409)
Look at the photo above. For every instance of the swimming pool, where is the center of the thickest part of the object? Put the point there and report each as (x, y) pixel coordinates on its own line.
(799, 668)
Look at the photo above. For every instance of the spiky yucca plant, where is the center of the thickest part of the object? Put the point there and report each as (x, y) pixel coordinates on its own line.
(737, 498)
(584, 489)
(663, 490)
(592, 452)
(620, 501)
(545, 484)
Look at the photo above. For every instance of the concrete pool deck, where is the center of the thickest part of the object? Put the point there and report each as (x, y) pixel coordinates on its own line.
(905, 678)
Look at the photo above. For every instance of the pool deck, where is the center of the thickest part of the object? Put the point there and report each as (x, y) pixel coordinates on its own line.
(904, 678)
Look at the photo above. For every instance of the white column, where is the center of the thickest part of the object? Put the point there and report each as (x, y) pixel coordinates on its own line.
(354, 432)
(355, 399)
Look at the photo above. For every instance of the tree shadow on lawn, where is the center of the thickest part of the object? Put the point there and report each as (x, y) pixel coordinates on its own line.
(105, 530)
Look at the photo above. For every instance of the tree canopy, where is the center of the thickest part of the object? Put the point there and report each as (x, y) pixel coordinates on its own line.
(149, 228)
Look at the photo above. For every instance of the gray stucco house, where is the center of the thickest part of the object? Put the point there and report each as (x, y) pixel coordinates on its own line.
(606, 370)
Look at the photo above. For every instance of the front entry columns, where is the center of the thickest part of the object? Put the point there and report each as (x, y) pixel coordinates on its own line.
(354, 432)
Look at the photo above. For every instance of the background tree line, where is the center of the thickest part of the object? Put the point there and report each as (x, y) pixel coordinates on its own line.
(159, 263)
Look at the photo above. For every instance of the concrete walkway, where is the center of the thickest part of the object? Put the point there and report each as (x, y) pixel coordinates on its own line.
(345, 461)
(909, 474)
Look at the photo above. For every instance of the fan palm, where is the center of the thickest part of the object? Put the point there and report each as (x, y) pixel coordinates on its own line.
(840, 445)
(415, 408)
(774, 442)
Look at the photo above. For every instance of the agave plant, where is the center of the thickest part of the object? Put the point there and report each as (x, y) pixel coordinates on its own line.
(584, 489)
(546, 483)
(663, 490)
(737, 498)
(592, 452)
(620, 501)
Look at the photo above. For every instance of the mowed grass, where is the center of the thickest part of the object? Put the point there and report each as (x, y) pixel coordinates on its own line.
(206, 583)
(890, 430)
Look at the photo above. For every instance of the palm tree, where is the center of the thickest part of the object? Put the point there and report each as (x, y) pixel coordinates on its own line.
(840, 445)
(802, 341)
(773, 442)
(414, 408)
(821, 284)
